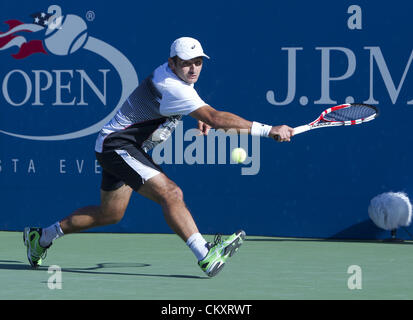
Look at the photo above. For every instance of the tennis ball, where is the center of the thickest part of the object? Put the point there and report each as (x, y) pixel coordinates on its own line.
(238, 155)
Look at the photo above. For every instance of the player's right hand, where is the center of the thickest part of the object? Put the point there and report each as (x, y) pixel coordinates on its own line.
(282, 133)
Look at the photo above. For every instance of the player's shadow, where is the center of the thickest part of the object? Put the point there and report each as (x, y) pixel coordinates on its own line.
(100, 268)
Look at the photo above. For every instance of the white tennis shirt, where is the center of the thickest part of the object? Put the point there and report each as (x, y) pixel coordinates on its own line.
(151, 112)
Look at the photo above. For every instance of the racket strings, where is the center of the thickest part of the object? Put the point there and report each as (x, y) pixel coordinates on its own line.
(354, 112)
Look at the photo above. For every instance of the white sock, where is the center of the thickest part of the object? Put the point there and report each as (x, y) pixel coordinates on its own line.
(50, 233)
(197, 244)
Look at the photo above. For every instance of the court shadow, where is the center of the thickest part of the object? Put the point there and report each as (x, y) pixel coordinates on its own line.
(364, 231)
(100, 268)
(383, 241)
(13, 265)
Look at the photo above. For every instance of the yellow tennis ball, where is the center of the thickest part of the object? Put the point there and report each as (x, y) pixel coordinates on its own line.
(238, 155)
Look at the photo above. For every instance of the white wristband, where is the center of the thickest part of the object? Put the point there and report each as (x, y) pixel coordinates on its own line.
(259, 129)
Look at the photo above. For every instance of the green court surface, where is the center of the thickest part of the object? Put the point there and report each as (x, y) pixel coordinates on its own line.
(161, 267)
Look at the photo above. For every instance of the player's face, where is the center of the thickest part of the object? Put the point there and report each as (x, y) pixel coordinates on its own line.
(187, 70)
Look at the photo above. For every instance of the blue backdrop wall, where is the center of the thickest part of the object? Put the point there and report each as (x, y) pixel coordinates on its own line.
(277, 62)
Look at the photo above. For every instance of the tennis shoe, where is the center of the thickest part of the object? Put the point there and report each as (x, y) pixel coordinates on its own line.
(35, 252)
(220, 251)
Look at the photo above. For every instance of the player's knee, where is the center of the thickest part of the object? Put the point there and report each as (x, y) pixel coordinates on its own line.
(113, 205)
(174, 193)
(116, 217)
(112, 215)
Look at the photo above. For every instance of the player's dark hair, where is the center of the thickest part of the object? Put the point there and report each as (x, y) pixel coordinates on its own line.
(175, 59)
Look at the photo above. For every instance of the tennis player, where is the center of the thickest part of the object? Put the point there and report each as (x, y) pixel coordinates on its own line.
(147, 118)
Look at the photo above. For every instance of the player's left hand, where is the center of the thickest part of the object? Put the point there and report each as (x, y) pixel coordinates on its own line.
(203, 128)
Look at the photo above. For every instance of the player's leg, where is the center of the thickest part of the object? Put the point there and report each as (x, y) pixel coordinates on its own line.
(137, 169)
(158, 187)
(110, 211)
(165, 192)
(211, 256)
(115, 197)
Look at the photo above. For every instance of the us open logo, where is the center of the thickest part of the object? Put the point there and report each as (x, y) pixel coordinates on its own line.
(53, 72)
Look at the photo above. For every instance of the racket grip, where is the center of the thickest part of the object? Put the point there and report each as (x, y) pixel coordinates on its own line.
(301, 129)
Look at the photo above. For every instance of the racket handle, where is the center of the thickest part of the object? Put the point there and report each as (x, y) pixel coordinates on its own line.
(301, 129)
(296, 130)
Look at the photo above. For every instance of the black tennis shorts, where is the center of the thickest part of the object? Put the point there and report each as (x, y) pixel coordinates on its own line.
(127, 165)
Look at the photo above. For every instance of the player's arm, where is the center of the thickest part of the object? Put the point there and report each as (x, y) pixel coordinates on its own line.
(226, 120)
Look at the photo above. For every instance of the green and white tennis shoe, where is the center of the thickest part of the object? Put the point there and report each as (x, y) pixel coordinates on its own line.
(35, 252)
(220, 251)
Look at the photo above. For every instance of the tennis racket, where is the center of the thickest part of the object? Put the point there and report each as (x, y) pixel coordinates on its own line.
(343, 115)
